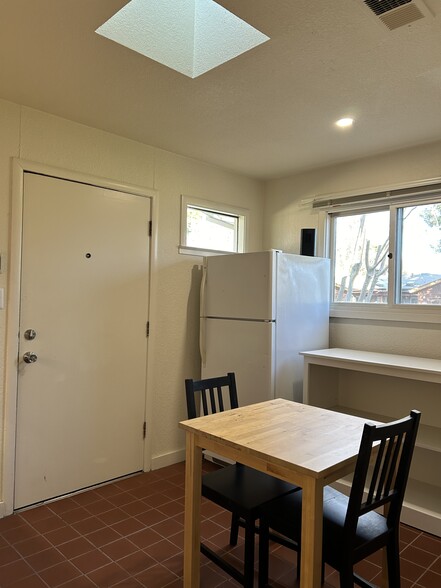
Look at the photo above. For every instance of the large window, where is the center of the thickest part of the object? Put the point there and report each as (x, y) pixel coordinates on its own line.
(386, 255)
(210, 227)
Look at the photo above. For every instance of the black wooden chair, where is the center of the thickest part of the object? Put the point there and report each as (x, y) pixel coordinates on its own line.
(352, 529)
(237, 488)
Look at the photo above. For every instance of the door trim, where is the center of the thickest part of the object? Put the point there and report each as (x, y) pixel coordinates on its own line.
(19, 167)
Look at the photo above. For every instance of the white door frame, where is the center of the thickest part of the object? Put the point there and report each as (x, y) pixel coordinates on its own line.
(19, 167)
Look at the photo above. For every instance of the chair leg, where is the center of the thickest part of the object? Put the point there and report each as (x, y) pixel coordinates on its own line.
(347, 577)
(263, 553)
(248, 568)
(393, 562)
(234, 530)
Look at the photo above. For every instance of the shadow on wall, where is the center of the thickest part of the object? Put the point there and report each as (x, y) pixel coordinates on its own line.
(192, 357)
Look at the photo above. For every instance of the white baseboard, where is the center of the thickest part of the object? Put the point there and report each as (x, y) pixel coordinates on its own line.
(425, 521)
(2, 510)
(217, 459)
(167, 459)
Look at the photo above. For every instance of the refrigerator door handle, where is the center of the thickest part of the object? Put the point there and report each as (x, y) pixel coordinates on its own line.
(202, 320)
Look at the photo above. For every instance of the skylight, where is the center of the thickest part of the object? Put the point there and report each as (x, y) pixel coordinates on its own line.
(190, 36)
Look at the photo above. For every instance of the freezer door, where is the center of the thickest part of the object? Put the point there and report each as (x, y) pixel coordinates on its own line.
(243, 347)
(240, 286)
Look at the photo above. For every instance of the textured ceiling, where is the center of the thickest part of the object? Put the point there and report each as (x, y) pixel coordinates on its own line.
(267, 113)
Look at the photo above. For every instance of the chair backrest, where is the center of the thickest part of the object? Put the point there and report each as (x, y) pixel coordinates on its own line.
(389, 449)
(217, 394)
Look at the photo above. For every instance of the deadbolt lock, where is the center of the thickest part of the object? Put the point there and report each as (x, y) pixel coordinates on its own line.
(30, 334)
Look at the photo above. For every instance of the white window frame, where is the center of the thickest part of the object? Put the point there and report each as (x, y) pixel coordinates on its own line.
(391, 198)
(242, 215)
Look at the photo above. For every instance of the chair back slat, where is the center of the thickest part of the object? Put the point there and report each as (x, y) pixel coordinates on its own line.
(204, 402)
(397, 447)
(212, 401)
(214, 393)
(375, 473)
(220, 399)
(384, 468)
(392, 446)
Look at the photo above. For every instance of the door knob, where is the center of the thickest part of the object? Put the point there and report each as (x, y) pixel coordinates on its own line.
(29, 357)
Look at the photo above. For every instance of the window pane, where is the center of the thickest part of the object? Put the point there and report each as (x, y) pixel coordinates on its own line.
(421, 255)
(211, 230)
(360, 257)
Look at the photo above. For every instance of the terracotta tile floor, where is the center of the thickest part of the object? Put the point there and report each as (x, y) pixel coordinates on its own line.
(130, 534)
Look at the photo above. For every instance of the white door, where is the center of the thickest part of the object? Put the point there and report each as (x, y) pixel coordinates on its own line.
(84, 292)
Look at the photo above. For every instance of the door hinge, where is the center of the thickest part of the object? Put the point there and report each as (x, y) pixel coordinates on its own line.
(147, 329)
(150, 228)
(144, 429)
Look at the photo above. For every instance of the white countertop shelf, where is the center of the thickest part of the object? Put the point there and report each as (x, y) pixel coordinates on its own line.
(406, 366)
(385, 384)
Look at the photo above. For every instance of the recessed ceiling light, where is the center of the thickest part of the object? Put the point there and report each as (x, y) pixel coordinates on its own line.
(345, 122)
(190, 36)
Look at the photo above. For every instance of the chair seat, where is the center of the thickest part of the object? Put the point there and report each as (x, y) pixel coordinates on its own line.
(286, 514)
(243, 489)
(371, 529)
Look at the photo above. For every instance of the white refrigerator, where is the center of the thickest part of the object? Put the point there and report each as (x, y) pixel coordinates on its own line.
(258, 311)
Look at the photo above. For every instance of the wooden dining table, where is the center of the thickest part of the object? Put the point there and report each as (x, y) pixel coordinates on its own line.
(302, 444)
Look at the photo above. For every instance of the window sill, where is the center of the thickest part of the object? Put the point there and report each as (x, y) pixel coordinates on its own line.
(185, 250)
(402, 313)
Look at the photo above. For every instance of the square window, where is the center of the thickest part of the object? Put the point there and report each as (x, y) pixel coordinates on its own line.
(207, 227)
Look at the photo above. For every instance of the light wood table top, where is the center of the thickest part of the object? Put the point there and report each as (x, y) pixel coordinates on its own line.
(302, 444)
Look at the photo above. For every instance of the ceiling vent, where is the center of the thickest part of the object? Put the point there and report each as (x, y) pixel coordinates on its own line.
(398, 13)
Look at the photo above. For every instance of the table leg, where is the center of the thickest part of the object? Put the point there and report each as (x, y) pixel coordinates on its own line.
(312, 531)
(193, 476)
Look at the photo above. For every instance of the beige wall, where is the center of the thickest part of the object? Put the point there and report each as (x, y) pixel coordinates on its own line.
(50, 140)
(285, 215)
(39, 137)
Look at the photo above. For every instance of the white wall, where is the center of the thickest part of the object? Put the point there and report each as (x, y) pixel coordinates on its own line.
(43, 138)
(285, 216)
